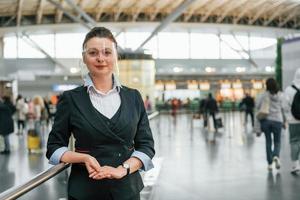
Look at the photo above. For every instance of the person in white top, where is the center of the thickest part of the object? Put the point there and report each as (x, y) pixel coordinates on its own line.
(294, 124)
(22, 109)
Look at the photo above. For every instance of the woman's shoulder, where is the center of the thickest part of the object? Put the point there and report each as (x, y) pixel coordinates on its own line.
(133, 92)
(129, 89)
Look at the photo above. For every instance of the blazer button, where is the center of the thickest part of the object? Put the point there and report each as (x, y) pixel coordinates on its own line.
(119, 154)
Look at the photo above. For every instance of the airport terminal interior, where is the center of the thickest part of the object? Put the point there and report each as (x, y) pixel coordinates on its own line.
(201, 67)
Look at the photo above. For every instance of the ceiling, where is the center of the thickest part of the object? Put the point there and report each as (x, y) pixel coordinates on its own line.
(265, 13)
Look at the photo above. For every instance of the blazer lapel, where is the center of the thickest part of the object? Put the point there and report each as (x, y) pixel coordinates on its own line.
(84, 105)
(126, 110)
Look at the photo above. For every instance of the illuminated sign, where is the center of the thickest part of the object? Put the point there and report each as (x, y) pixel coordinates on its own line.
(63, 87)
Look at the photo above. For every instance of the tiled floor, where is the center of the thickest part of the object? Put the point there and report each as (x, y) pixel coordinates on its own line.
(199, 164)
(191, 164)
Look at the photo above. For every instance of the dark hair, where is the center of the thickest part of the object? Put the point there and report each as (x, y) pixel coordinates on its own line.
(6, 99)
(272, 86)
(100, 32)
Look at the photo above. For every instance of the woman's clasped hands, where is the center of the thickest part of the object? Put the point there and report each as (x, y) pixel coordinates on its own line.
(98, 172)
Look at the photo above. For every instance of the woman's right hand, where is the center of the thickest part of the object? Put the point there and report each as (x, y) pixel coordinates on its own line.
(92, 165)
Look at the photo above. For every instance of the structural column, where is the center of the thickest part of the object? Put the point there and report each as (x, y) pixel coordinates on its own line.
(1, 47)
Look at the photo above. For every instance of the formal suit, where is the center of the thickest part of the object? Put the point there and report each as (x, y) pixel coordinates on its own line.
(110, 145)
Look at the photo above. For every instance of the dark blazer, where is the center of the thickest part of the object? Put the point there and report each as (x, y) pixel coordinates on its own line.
(76, 115)
(6, 121)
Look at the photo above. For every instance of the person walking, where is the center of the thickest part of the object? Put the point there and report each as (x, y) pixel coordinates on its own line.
(248, 104)
(22, 109)
(202, 111)
(272, 122)
(211, 108)
(294, 123)
(113, 139)
(148, 104)
(6, 125)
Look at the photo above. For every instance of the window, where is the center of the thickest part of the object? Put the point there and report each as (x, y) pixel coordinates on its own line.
(10, 47)
(69, 45)
(261, 42)
(135, 39)
(204, 46)
(173, 45)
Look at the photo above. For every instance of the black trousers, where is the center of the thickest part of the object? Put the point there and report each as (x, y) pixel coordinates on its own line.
(137, 197)
(249, 112)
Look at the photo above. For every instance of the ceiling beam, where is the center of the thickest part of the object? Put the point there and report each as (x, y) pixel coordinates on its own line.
(230, 8)
(10, 20)
(193, 8)
(247, 9)
(138, 8)
(59, 13)
(100, 7)
(264, 10)
(157, 7)
(71, 16)
(213, 8)
(297, 24)
(279, 13)
(39, 13)
(290, 16)
(122, 5)
(81, 12)
(174, 15)
(19, 12)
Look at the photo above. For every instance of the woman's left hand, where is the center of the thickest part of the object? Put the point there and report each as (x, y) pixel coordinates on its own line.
(110, 173)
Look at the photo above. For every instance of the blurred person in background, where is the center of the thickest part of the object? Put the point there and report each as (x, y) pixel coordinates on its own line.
(174, 106)
(148, 104)
(294, 123)
(38, 107)
(6, 123)
(272, 123)
(211, 109)
(202, 110)
(248, 105)
(22, 110)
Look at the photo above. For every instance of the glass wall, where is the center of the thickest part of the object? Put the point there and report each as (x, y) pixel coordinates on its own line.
(165, 45)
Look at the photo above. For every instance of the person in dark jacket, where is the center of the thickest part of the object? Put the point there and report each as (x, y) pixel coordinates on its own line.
(113, 139)
(6, 125)
(211, 108)
(248, 104)
(202, 111)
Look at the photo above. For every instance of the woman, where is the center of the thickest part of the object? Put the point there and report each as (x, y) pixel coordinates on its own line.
(273, 122)
(294, 124)
(113, 139)
(22, 110)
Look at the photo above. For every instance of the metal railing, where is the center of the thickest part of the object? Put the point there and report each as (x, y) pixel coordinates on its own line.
(17, 191)
(152, 115)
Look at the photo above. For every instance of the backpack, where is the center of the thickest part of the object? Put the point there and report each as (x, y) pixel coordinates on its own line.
(296, 104)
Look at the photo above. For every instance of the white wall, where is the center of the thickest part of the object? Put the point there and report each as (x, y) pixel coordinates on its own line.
(290, 60)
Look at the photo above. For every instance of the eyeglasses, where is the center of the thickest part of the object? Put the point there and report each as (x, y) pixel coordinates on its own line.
(106, 53)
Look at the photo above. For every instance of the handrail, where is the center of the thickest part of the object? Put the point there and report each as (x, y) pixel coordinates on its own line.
(152, 115)
(17, 191)
(20, 190)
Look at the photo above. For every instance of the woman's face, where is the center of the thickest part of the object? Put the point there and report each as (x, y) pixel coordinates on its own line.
(99, 56)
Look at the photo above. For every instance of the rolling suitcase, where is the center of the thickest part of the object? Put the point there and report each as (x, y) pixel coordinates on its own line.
(33, 141)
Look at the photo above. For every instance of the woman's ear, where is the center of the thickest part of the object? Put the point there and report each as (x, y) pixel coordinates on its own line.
(83, 58)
